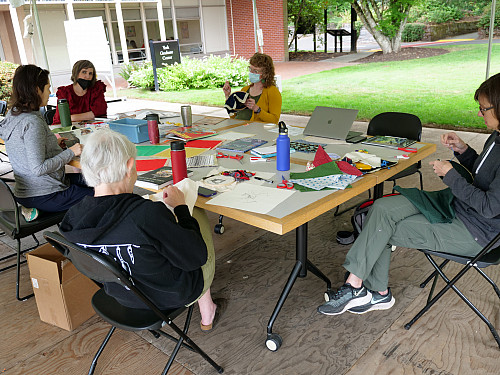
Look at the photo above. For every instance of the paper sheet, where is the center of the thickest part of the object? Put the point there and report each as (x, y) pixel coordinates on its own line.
(231, 136)
(253, 198)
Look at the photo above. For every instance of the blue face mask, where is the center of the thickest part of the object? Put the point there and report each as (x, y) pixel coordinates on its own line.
(253, 77)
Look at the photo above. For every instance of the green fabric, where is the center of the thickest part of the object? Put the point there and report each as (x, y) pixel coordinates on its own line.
(436, 206)
(326, 169)
(246, 113)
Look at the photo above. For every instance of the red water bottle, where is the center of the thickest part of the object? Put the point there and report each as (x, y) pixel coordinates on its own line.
(178, 155)
(153, 131)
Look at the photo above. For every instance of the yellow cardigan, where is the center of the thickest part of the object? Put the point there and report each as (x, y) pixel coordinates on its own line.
(270, 104)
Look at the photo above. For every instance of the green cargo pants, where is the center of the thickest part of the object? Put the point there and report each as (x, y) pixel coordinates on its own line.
(396, 221)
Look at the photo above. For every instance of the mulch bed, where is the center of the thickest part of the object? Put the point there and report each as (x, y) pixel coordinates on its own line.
(407, 53)
(313, 56)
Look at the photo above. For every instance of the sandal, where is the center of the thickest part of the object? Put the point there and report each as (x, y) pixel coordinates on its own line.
(221, 307)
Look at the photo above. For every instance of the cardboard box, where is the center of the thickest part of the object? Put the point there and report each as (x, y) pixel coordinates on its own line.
(63, 295)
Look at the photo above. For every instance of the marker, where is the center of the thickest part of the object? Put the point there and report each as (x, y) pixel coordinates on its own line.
(263, 179)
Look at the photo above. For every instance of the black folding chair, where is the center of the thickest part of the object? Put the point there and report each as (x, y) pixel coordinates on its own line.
(104, 269)
(488, 256)
(399, 124)
(12, 223)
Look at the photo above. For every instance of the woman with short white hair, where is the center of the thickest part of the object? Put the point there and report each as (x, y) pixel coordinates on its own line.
(169, 256)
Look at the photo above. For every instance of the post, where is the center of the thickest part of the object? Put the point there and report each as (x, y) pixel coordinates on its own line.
(354, 32)
(326, 28)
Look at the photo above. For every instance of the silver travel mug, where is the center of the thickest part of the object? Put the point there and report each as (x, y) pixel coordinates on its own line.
(186, 115)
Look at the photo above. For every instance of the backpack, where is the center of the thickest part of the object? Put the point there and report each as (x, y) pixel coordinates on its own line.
(360, 212)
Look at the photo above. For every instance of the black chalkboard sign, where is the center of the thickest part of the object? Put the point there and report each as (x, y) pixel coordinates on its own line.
(164, 53)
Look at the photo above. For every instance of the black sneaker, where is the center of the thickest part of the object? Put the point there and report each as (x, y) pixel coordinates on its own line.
(345, 298)
(378, 302)
(330, 293)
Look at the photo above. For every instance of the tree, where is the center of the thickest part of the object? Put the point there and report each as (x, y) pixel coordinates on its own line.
(385, 20)
(307, 13)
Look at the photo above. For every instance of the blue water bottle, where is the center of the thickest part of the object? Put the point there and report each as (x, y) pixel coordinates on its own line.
(283, 148)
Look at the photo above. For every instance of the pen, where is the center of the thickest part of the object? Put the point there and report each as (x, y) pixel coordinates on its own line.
(263, 179)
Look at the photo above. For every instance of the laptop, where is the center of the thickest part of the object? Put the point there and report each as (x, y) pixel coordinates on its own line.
(329, 122)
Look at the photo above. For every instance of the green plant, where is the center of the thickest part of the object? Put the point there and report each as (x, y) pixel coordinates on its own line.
(413, 32)
(128, 69)
(209, 72)
(6, 73)
(484, 22)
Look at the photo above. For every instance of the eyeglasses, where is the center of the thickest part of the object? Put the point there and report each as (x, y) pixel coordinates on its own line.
(484, 110)
(256, 71)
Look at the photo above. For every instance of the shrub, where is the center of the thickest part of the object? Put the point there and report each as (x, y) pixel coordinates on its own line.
(484, 22)
(413, 32)
(209, 72)
(128, 69)
(6, 73)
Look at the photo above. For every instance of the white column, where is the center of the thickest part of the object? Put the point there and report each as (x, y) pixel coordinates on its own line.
(111, 34)
(174, 20)
(70, 10)
(145, 32)
(202, 28)
(19, 35)
(161, 20)
(121, 30)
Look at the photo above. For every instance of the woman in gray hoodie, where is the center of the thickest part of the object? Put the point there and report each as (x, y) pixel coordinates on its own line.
(35, 153)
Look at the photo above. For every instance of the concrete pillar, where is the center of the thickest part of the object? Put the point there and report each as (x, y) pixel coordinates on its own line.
(19, 36)
(111, 34)
(161, 20)
(145, 32)
(121, 30)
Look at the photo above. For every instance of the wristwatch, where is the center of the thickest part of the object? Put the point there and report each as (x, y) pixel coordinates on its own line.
(258, 111)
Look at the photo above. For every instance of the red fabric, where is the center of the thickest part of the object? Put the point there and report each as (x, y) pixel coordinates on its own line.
(321, 157)
(149, 164)
(348, 168)
(93, 100)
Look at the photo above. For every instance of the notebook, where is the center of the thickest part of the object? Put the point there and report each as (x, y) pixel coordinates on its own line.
(329, 122)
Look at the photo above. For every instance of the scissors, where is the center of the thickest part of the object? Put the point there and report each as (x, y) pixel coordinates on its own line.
(284, 184)
(220, 155)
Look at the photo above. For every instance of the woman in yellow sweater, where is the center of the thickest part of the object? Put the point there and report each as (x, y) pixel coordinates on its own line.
(264, 101)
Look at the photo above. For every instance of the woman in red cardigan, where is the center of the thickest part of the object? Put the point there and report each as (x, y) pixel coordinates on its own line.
(85, 96)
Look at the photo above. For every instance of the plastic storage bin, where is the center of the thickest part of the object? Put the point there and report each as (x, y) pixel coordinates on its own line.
(134, 129)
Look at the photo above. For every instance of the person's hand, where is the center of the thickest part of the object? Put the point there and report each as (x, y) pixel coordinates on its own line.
(61, 143)
(441, 167)
(453, 142)
(173, 196)
(77, 149)
(227, 89)
(250, 103)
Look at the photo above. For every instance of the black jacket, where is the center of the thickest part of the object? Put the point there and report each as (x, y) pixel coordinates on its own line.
(164, 256)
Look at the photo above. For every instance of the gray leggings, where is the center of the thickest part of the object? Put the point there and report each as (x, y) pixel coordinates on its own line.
(396, 221)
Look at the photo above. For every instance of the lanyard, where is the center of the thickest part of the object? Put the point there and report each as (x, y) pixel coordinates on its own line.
(485, 156)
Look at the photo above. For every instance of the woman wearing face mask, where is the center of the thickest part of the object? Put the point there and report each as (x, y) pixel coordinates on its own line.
(264, 101)
(36, 155)
(85, 96)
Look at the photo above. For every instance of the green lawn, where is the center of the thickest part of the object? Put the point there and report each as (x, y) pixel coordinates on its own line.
(440, 90)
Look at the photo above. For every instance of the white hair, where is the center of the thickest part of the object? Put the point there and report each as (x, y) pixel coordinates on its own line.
(104, 157)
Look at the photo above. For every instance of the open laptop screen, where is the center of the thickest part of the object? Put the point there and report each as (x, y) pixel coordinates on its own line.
(329, 122)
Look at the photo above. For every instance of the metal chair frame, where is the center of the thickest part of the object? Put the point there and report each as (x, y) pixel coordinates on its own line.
(488, 256)
(104, 269)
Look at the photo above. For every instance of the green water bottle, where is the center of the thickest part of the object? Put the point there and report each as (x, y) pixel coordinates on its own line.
(64, 115)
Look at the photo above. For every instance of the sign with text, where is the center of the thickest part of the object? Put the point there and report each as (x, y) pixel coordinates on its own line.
(164, 53)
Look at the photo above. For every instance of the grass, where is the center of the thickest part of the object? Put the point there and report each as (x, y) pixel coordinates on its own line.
(440, 90)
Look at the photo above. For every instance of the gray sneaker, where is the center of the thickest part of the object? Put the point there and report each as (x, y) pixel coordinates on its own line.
(378, 302)
(346, 297)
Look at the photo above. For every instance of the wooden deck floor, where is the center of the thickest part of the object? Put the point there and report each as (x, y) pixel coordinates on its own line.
(449, 340)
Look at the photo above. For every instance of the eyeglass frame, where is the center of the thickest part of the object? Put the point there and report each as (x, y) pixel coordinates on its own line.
(484, 110)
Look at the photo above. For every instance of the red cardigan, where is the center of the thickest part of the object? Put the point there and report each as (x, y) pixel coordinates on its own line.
(93, 100)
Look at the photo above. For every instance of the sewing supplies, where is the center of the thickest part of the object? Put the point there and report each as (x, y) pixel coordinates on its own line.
(263, 179)
(284, 184)
(239, 175)
(221, 155)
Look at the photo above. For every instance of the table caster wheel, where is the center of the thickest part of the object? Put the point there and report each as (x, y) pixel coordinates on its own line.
(219, 228)
(274, 342)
